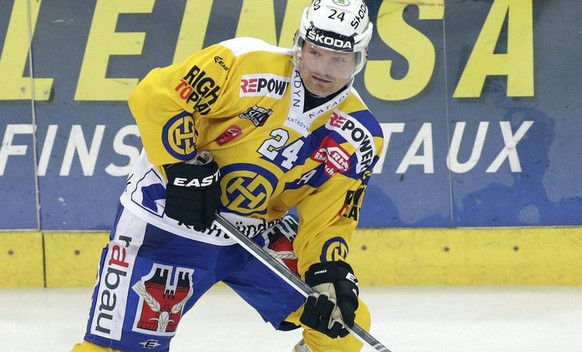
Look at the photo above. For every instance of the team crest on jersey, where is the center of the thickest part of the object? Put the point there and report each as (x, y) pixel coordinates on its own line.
(332, 156)
(246, 188)
(161, 299)
(258, 115)
(179, 136)
(334, 249)
(263, 85)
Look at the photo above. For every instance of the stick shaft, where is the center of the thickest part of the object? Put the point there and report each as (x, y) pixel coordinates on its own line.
(284, 273)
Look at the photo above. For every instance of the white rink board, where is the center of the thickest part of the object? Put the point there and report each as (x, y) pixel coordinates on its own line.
(406, 319)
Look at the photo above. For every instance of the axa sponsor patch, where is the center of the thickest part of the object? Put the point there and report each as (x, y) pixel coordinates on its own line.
(356, 134)
(263, 85)
(332, 156)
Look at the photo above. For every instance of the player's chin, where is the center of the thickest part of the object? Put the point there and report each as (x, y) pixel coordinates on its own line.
(320, 87)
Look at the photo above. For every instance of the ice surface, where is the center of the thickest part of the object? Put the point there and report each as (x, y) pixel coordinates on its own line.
(405, 319)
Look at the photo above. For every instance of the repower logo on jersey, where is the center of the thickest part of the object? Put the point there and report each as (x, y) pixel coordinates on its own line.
(198, 89)
(257, 114)
(355, 133)
(111, 298)
(263, 85)
(179, 136)
(332, 156)
(329, 40)
(162, 297)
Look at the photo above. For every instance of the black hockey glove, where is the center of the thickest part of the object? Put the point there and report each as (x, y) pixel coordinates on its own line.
(333, 307)
(193, 192)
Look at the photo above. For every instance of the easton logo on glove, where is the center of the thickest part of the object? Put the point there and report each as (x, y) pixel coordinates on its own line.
(197, 182)
(193, 193)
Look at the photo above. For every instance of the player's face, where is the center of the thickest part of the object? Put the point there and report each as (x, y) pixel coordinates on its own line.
(324, 72)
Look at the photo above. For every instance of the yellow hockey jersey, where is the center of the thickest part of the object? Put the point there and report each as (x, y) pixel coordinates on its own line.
(242, 100)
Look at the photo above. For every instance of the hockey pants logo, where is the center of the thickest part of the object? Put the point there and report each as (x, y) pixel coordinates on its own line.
(162, 299)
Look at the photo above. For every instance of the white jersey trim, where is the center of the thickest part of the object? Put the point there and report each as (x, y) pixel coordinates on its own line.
(145, 181)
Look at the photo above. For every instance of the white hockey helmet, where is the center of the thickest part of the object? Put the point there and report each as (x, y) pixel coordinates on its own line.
(340, 25)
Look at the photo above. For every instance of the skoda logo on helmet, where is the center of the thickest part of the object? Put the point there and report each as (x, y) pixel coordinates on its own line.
(329, 40)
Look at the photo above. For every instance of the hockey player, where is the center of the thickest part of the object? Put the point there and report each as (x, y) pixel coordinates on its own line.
(252, 131)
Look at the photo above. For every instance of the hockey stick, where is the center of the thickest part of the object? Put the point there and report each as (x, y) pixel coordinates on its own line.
(283, 272)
